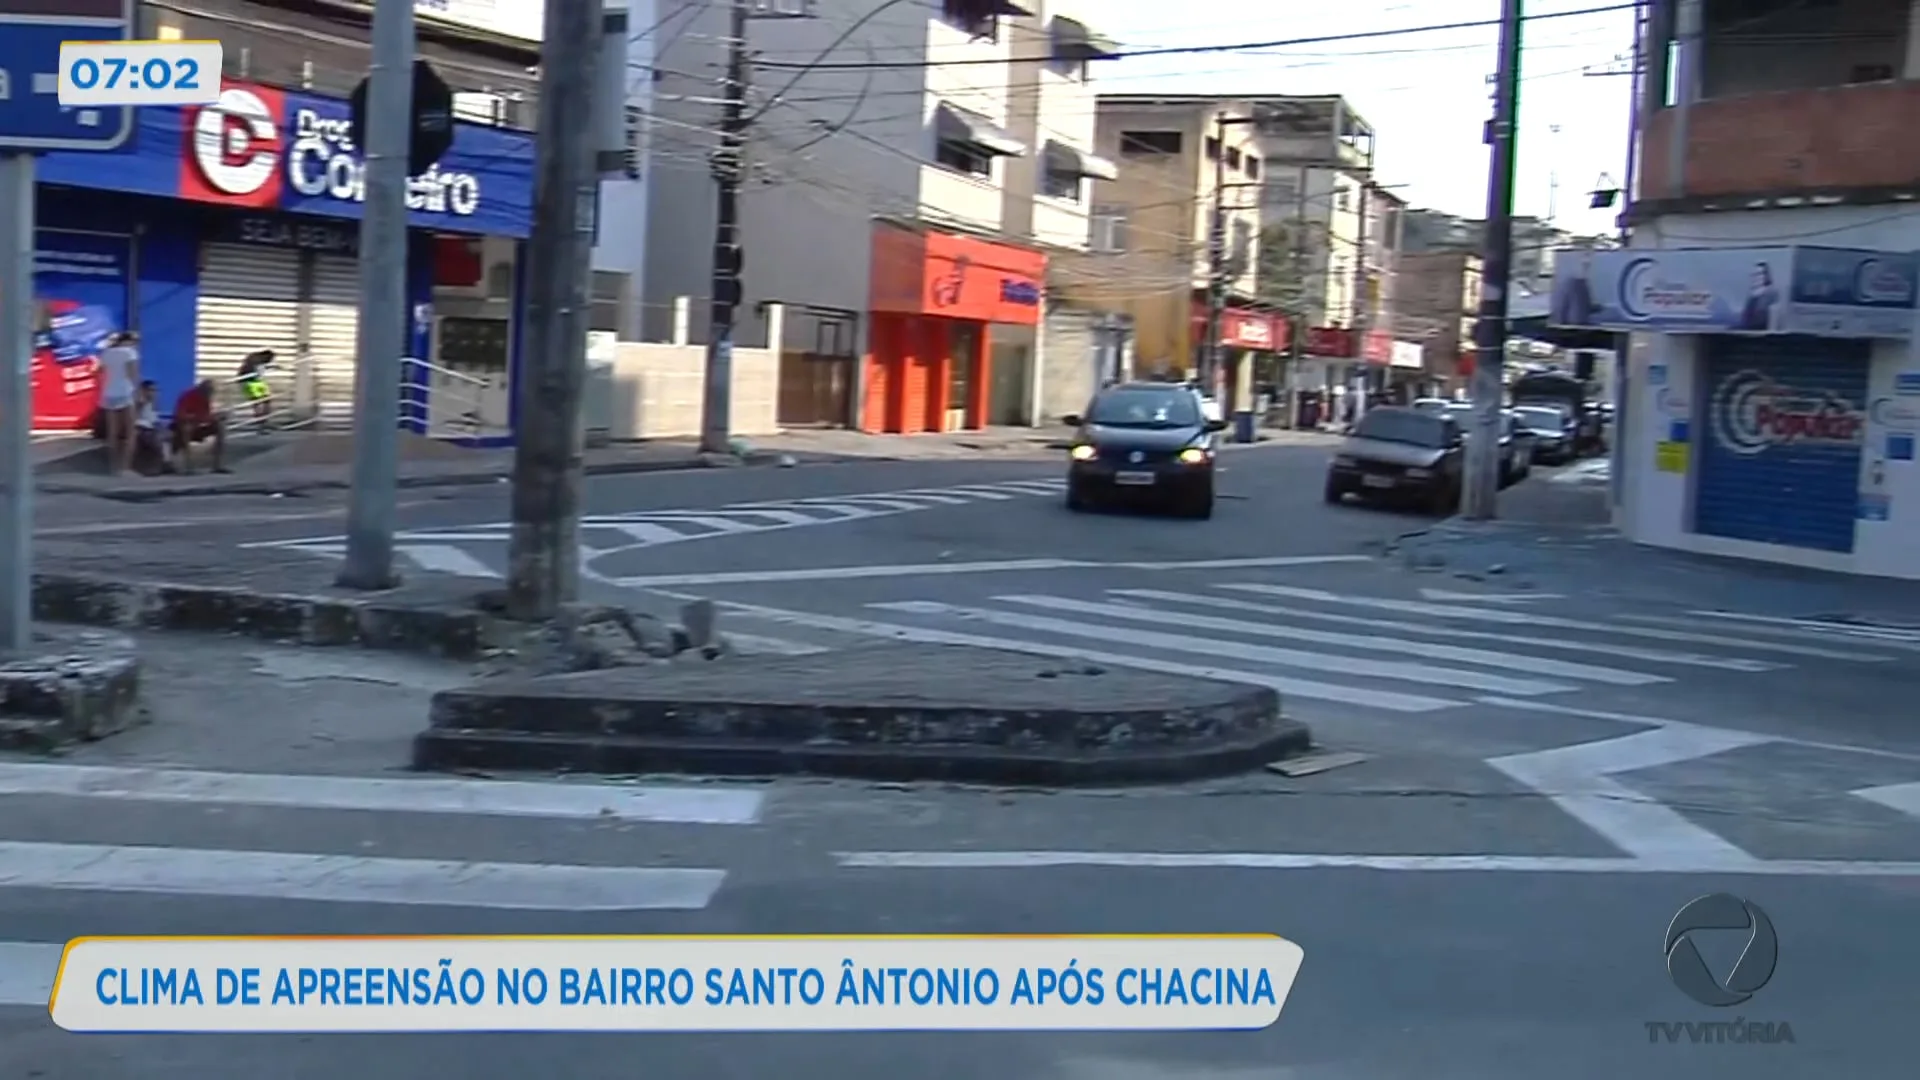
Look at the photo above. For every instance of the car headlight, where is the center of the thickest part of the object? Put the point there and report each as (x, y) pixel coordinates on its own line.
(1343, 460)
(1083, 452)
(1193, 455)
(1418, 474)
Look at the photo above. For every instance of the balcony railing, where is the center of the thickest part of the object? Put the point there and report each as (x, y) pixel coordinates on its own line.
(1826, 141)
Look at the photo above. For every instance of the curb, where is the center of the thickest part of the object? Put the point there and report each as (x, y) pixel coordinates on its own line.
(157, 493)
(75, 686)
(826, 718)
(440, 630)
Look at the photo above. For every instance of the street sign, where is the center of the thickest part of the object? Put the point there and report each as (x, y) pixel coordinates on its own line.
(31, 116)
(429, 136)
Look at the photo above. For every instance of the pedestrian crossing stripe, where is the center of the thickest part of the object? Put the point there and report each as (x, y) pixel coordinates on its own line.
(438, 550)
(1431, 657)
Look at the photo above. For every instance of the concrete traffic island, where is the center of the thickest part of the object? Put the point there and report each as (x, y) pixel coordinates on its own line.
(73, 685)
(890, 711)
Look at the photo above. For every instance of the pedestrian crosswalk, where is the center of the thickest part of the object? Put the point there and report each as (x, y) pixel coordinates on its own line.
(341, 845)
(478, 551)
(1318, 645)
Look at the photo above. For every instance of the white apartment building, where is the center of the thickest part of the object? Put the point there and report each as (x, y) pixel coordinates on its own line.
(884, 148)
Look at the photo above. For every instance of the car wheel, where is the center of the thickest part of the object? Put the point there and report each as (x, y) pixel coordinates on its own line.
(1198, 504)
(1445, 499)
(1335, 491)
(1077, 499)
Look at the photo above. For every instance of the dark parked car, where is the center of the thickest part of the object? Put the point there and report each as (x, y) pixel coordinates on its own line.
(1555, 433)
(1146, 441)
(1401, 453)
(1516, 451)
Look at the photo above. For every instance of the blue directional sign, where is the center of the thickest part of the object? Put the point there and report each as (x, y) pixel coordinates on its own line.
(31, 116)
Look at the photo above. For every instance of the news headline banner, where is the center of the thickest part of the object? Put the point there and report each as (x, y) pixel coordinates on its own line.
(415, 984)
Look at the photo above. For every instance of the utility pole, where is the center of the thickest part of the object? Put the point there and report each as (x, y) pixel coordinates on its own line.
(716, 418)
(544, 558)
(1362, 317)
(1490, 333)
(1212, 359)
(16, 399)
(383, 302)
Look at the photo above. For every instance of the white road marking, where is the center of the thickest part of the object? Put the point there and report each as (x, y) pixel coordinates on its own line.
(1578, 779)
(26, 971)
(1529, 619)
(1392, 701)
(648, 532)
(714, 523)
(846, 573)
(1806, 634)
(1655, 721)
(760, 645)
(346, 879)
(1564, 669)
(1246, 564)
(1233, 650)
(1822, 627)
(498, 798)
(1455, 634)
(446, 559)
(983, 491)
(1488, 598)
(1902, 797)
(1226, 860)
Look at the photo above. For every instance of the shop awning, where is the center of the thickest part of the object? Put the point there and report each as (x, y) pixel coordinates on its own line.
(1074, 40)
(953, 124)
(1062, 158)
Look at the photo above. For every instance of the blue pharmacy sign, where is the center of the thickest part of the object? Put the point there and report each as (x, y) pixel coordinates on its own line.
(31, 116)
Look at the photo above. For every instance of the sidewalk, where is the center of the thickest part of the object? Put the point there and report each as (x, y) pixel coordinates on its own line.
(1558, 538)
(323, 461)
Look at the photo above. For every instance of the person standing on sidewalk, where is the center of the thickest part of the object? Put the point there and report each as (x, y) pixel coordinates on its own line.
(120, 380)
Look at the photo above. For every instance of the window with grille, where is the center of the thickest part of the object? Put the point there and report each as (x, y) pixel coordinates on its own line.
(977, 17)
(964, 157)
(1108, 225)
(1149, 142)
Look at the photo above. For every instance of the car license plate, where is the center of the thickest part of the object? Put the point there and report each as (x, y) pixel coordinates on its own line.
(1134, 479)
(1377, 481)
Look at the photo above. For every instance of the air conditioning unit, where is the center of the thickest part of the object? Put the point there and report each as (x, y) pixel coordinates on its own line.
(492, 110)
(782, 9)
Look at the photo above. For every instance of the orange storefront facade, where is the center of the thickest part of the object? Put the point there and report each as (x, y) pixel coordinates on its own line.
(933, 297)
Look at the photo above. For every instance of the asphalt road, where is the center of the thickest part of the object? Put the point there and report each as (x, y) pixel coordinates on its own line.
(1541, 782)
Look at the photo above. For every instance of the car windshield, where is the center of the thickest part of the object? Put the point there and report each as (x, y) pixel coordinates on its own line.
(1145, 409)
(1548, 419)
(1412, 428)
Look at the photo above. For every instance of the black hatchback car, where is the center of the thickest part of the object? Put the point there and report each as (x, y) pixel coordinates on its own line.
(1403, 453)
(1144, 441)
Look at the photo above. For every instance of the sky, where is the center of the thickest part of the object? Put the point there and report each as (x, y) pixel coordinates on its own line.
(1426, 95)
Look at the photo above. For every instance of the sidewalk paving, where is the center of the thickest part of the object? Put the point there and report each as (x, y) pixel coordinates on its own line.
(1559, 538)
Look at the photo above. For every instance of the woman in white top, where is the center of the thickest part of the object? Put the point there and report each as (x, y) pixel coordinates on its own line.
(120, 379)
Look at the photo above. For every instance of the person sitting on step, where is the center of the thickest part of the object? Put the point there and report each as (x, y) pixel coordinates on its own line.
(196, 420)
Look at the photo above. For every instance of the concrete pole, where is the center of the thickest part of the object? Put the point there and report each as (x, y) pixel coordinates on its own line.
(716, 420)
(16, 401)
(383, 303)
(544, 557)
(1490, 333)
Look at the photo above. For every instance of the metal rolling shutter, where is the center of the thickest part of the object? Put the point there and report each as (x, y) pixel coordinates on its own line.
(1753, 482)
(333, 334)
(1069, 369)
(249, 300)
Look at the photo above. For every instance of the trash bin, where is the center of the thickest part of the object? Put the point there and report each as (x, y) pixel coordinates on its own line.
(1243, 428)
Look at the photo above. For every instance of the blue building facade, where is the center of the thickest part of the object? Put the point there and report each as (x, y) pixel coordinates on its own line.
(222, 229)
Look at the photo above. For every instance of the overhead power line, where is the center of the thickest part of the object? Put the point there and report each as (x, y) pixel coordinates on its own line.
(1190, 50)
